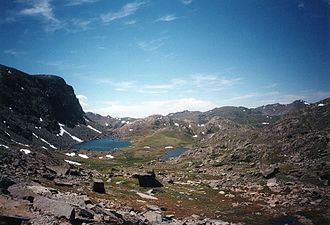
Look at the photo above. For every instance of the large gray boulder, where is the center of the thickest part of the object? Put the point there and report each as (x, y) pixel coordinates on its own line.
(54, 207)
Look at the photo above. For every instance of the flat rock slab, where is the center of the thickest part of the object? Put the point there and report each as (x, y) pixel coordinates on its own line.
(59, 170)
(145, 196)
(54, 207)
(14, 210)
(64, 183)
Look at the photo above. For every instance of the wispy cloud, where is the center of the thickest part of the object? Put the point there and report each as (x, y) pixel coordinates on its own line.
(79, 2)
(168, 86)
(213, 81)
(147, 108)
(126, 10)
(272, 85)
(42, 9)
(151, 45)
(130, 22)
(117, 85)
(186, 2)
(83, 100)
(167, 18)
(76, 25)
(14, 52)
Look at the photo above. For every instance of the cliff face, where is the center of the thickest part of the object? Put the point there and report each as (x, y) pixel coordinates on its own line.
(32, 107)
(40, 96)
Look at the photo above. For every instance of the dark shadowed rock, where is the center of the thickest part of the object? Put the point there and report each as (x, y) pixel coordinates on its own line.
(98, 186)
(54, 207)
(149, 180)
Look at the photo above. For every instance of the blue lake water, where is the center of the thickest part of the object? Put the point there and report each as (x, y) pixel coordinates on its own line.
(173, 153)
(103, 144)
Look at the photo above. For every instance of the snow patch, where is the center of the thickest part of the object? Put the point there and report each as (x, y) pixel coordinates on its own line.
(195, 136)
(320, 105)
(43, 147)
(62, 131)
(40, 119)
(43, 140)
(168, 147)
(83, 156)
(72, 162)
(5, 146)
(265, 123)
(9, 72)
(176, 124)
(189, 125)
(106, 124)
(101, 157)
(71, 154)
(26, 151)
(146, 147)
(16, 142)
(130, 129)
(92, 128)
(110, 156)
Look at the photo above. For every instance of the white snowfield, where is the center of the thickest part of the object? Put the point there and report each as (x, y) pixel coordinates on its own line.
(26, 151)
(83, 156)
(168, 147)
(94, 129)
(110, 156)
(72, 162)
(5, 146)
(71, 154)
(43, 140)
(62, 131)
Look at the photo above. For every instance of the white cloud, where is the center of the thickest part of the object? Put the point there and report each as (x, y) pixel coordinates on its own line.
(40, 8)
(13, 52)
(167, 18)
(213, 81)
(79, 2)
(186, 2)
(83, 100)
(43, 10)
(171, 85)
(147, 108)
(151, 45)
(119, 85)
(130, 22)
(126, 10)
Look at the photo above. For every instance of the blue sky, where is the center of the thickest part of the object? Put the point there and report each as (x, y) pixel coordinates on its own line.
(136, 58)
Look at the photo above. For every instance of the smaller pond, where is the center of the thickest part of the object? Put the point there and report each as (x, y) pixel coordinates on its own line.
(104, 144)
(173, 153)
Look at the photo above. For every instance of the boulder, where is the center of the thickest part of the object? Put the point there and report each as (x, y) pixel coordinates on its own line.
(98, 186)
(153, 217)
(59, 170)
(149, 180)
(54, 207)
(270, 171)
